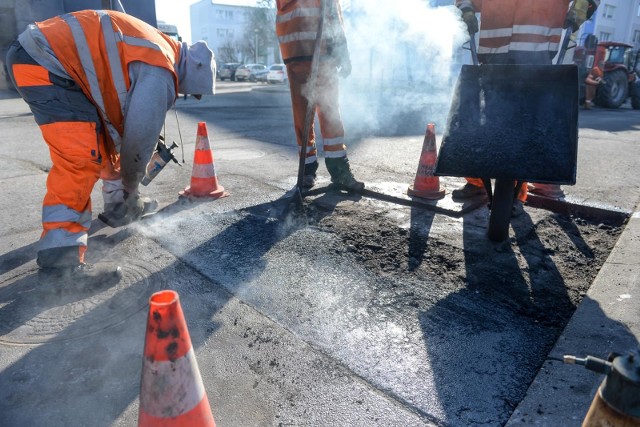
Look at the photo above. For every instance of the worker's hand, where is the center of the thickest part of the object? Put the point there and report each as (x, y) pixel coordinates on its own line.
(134, 205)
(339, 50)
(571, 21)
(469, 18)
(344, 68)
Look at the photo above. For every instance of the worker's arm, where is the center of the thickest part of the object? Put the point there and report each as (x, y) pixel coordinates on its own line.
(469, 9)
(580, 11)
(475, 5)
(336, 33)
(151, 95)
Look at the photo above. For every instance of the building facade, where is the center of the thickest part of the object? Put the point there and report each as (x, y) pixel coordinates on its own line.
(223, 27)
(615, 20)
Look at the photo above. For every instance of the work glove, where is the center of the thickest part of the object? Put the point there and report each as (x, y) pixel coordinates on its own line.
(344, 67)
(338, 50)
(571, 21)
(126, 212)
(469, 18)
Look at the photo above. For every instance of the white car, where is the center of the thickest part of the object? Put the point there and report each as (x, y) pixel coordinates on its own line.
(277, 74)
(249, 72)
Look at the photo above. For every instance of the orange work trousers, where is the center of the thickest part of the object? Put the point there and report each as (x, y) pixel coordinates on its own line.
(327, 107)
(72, 129)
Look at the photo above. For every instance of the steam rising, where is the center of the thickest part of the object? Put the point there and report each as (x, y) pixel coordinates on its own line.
(406, 56)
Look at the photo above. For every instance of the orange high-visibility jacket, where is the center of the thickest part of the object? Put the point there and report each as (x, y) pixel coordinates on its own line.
(297, 25)
(519, 25)
(95, 48)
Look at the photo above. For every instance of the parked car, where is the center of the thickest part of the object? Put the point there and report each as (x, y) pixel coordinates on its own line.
(249, 71)
(277, 74)
(228, 71)
(261, 76)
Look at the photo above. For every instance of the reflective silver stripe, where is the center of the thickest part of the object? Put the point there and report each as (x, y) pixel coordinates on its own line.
(171, 389)
(537, 30)
(113, 54)
(299, 36)
(310, 159)
(497, 32)
(60, 237)
(311, 12)
(519, 46)
(203, 170)
(534, 47)
(135, 41)
(328, 142)
(86, 59)
(84, 53)
(62, 213)
(334, 142)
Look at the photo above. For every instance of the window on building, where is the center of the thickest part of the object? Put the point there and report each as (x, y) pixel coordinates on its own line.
(603, 37)
(636, 36)
(219, 15)
(608, 11)
(224, 33)
(228, 15)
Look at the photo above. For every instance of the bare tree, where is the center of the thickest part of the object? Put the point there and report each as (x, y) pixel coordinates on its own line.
(228, 52)
(261, 29)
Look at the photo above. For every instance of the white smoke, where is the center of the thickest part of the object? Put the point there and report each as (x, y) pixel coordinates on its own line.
(406, 56)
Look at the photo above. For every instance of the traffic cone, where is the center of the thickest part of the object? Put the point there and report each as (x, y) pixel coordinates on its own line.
(171, 389)
(426, 185)
(204, 182)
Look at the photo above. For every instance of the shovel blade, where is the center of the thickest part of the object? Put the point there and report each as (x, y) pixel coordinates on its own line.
(516, 122)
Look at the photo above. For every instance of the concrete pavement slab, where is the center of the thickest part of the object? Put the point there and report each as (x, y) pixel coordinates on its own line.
(607, 320)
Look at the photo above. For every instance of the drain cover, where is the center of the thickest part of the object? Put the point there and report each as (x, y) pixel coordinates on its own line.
(33, 314)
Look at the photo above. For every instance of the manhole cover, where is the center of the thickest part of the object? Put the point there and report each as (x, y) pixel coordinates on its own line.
(32, 314)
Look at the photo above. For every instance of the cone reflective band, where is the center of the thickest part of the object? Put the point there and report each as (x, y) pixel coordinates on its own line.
(171, 389)
(426, 185)
(204, 182)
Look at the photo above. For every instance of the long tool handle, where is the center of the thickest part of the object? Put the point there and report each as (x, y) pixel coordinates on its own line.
(567, 36)
(311, 97)
(564, 46)
(472, 46)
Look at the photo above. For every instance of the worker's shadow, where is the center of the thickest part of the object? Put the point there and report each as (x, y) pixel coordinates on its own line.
(510, 311)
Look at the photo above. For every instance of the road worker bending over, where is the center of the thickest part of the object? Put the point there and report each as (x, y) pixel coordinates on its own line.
(297, 27)
(99, 84)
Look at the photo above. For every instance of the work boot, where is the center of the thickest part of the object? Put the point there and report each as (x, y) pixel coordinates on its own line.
(517, 209)
(551, 191)
(309, 177)
(467, 191)
(62, 266)
(341, 174)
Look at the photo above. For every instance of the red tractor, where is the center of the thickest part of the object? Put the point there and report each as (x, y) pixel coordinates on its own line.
(621, 74)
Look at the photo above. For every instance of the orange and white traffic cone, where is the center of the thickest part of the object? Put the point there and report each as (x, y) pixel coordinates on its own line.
(426, 185)
(171, 389)
(204, 182)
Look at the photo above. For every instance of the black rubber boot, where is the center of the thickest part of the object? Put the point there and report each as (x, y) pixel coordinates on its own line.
(62, 267)
(341, 174)
(309, 177)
